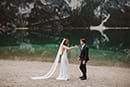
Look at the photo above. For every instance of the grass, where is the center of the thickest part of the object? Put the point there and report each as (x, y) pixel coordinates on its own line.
(48, 52)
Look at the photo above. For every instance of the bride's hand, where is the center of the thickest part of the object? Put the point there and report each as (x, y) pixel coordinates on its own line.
(76, 46)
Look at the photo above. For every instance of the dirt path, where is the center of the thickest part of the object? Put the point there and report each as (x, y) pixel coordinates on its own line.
(19, 73)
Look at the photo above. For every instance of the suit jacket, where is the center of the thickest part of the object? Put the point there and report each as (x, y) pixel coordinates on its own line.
(84, 53)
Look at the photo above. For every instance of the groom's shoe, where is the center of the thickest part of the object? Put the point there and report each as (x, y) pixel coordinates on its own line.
(81, 77)
(84, 78)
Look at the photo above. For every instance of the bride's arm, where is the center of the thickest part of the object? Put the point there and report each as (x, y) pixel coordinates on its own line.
(69, 48)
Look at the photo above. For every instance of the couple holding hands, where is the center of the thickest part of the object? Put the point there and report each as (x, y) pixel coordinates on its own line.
(64, 64)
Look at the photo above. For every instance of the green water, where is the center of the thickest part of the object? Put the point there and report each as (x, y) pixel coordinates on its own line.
(48, 52)
(43, 46)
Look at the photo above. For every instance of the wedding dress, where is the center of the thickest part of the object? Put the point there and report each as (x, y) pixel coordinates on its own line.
(63, 72)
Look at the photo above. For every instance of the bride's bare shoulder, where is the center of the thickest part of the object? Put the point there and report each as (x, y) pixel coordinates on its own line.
(65, 47)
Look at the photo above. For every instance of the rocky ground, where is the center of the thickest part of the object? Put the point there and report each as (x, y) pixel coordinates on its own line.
(19, 73)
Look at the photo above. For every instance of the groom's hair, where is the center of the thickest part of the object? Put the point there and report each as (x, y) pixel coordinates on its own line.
(83, 40)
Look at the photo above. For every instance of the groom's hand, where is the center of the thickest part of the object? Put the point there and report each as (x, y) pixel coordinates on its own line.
(76, 46)
(84, 61)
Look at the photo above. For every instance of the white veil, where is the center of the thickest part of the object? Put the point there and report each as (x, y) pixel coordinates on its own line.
(53, 67)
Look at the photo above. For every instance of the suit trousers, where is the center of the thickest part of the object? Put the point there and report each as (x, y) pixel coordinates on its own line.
(83, 68)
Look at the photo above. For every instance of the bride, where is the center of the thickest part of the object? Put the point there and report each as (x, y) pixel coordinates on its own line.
(64, 69)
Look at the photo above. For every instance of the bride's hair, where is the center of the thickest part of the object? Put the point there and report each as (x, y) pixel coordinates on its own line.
(66, 42)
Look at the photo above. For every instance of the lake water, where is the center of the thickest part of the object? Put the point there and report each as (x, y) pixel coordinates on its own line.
(118, 38)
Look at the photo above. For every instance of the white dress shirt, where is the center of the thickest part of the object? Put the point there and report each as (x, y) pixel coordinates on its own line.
(82, 46)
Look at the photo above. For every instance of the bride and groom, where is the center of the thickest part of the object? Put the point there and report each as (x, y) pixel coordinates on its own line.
(64, 65)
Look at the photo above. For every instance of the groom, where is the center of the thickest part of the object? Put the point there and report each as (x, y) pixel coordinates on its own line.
(83, 58)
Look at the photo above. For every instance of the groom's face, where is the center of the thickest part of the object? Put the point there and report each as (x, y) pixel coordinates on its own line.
(81, 42)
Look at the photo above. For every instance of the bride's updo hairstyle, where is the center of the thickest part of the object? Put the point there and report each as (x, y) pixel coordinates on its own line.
(66, 42)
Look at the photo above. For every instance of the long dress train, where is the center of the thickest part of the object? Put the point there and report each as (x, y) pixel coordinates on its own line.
(64, 72)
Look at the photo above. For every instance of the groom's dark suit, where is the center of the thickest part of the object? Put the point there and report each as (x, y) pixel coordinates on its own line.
(84, 57)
